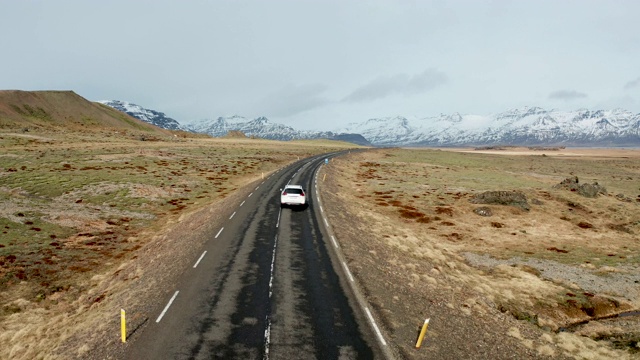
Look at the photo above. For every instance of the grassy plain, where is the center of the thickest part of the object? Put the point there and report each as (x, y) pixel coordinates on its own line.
(89, 220)
(78, 210)
(545, 282)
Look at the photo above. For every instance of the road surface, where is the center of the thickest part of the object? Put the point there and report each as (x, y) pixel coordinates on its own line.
(264, 287)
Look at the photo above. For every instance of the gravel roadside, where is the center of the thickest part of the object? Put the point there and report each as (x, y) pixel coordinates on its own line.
(404, 288)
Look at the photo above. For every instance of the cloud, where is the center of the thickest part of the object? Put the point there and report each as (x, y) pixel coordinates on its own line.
(567, 95)
(403, 84)
(294, 99)
(619, 102)
(632, 84)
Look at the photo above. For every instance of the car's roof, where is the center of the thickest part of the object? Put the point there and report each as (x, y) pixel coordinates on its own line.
(293, 187)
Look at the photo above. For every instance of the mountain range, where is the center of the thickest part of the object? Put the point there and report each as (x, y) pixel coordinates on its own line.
(529, 126)
(260, 127)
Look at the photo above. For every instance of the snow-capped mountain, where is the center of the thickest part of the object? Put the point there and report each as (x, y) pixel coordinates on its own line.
(263, 128)
(527, 126)
(151, 116)
(260, 127)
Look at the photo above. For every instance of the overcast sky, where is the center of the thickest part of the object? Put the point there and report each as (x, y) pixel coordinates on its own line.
(323, 64)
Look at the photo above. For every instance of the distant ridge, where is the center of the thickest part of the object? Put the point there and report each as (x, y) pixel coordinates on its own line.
(263, 128)
(64, 111)
(528, 126)
(259, 127)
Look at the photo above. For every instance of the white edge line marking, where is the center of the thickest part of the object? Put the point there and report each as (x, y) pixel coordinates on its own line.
(218, 234)
(278, 223)
(250, 195)
(346, 268)
(267, 339)
(321, 209)
(199, 259)
(335, 244)
(242, 203)
(167, 307)
(267, 331)
(273, 265)
(257, 187)
(375, 326)
(232, 215)
(371, 319)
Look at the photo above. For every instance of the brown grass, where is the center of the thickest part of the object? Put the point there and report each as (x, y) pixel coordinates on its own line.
(514, 259)
(78, 211)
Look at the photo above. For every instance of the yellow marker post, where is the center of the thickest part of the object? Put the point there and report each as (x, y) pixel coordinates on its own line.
(423, 332)
(123, 326)
(325, 175)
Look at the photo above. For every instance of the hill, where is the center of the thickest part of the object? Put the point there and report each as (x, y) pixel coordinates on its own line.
(64, 111)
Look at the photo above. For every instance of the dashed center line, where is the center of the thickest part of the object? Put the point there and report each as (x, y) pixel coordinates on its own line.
(199, 259)
(167, 307)
(267, 334)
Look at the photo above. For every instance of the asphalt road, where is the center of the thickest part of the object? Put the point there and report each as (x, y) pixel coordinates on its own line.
(265, 287)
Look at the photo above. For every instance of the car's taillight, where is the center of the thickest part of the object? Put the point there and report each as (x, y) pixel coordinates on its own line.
(302, 194)
(284, 193)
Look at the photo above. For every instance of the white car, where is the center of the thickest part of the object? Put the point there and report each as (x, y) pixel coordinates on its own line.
(293, 195)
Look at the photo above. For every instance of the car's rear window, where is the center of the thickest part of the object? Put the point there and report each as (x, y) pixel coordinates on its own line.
(293, 191)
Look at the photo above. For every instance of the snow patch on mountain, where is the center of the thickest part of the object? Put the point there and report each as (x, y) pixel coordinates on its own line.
(150, 116)
(526, 126)
(259, 127)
